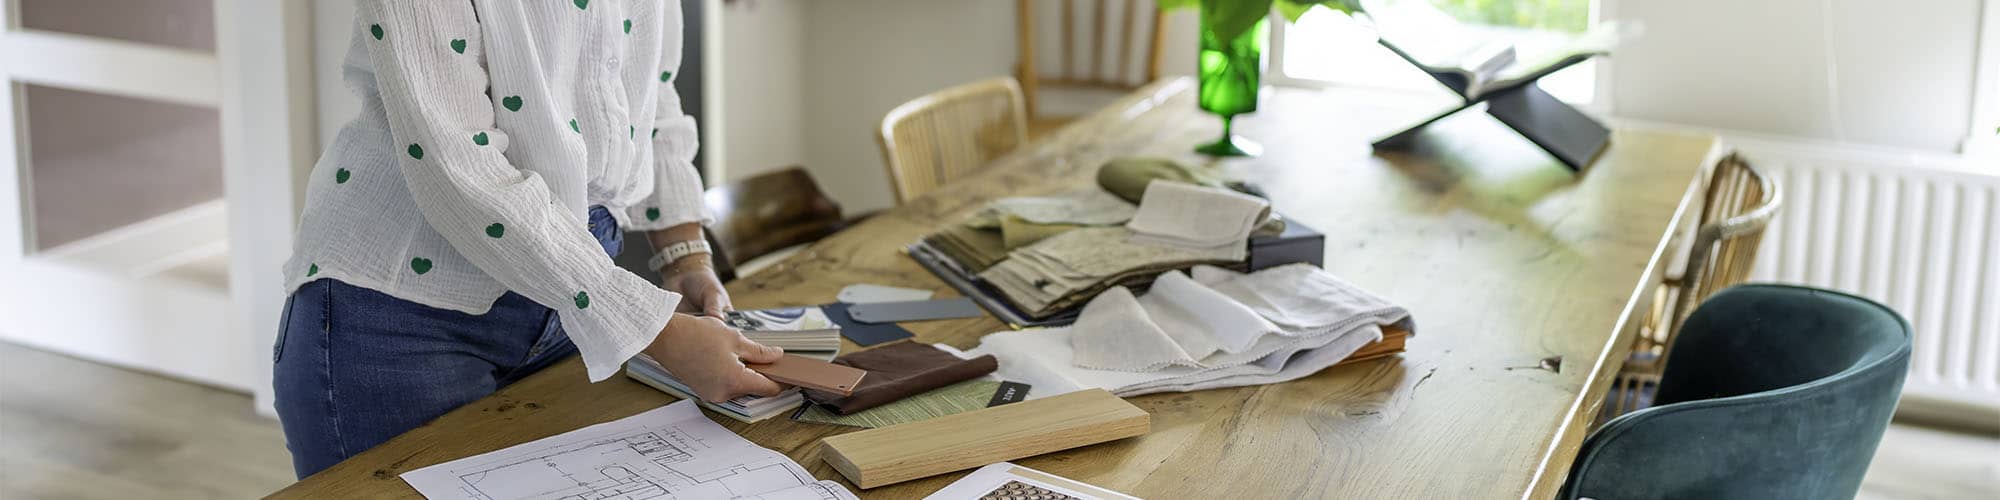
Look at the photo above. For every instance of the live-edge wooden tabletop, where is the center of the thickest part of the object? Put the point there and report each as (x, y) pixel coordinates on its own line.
(1524, 279)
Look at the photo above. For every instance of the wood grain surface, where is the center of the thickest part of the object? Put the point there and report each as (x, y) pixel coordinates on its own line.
(970, 440)
(1523, 279)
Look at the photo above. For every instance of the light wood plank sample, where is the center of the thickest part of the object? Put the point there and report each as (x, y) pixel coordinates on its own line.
(952, 443)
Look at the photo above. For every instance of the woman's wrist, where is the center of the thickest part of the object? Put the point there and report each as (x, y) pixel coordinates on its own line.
(690, 263)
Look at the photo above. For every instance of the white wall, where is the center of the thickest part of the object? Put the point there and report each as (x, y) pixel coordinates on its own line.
(333, 24)
(763, 92)
(864, 57)
(1897, 74)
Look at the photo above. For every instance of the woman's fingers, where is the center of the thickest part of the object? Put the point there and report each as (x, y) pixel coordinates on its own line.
(750, 382)
(753, 352)
(717, 303)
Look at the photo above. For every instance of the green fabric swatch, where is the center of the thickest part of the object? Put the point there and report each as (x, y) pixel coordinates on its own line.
(956, 398)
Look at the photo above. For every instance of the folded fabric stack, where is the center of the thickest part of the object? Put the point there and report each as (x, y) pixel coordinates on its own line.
(1214, 329)
(1009, 223)
(1195, 217)
(1044, 256)
(1070, 268)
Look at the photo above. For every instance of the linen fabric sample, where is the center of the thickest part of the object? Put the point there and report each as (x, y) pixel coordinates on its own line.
(1311, 320)
(1071, 267)
(1128, 178)
(1198, 217)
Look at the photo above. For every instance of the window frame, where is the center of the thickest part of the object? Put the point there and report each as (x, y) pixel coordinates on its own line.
(1983, 138)
(1599, 104)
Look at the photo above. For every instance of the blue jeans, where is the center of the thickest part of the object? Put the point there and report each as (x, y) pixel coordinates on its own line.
(355, 367)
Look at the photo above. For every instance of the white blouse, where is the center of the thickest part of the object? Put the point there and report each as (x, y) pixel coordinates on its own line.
(488, 129)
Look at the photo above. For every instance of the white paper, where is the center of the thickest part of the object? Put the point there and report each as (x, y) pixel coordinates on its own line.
(985, 483)
(671, 452)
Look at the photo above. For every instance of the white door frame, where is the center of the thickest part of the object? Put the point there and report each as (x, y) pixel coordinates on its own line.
(1983, 140)
(259, 79)
(270, 141)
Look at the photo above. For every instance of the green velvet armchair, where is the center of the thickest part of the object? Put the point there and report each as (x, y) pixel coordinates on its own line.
(1774, 392)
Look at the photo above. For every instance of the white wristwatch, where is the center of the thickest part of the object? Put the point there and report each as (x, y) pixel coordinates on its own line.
(675, 252)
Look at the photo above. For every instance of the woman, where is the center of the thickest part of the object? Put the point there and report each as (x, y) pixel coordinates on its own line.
(457, 234)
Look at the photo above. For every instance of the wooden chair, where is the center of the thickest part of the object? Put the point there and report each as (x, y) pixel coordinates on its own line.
(1740, 203)
(945, 136)
(765, 214)
(1095, 72)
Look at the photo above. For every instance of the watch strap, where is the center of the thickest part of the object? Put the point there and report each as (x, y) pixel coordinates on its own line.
(676, 252)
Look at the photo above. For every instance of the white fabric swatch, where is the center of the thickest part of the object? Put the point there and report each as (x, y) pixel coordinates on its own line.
(1192, 216)
(1216, 329)
(1086, 207)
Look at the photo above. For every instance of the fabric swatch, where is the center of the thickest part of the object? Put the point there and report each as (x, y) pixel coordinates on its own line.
(898, 371)
(951, 399)
(1193, 216)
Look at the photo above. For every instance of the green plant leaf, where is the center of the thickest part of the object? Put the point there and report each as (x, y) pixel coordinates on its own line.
(1292, 10)
(1228, 19)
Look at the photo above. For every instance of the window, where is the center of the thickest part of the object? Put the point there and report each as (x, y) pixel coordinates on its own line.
(1329, 48)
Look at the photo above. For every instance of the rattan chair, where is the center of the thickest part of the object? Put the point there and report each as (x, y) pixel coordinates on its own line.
(1740, 203)
(1083, 65)
(946, 136)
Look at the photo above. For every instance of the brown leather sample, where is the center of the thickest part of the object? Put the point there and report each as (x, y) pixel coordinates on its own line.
(898, 371)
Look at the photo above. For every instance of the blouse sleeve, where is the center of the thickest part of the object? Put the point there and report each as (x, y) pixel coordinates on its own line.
(676, 198)
(429, 66)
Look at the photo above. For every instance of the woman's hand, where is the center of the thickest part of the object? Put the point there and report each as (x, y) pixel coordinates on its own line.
(701, 291)
(708, 356)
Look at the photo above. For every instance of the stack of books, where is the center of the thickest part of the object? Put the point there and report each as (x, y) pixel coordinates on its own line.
(804, 331)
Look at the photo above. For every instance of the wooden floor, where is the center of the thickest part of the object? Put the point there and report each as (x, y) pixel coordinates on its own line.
(75, 429)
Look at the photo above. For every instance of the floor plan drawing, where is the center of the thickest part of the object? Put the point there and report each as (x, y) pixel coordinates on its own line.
(670, 453)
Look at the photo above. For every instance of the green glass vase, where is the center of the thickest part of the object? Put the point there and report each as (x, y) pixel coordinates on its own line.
(1231, 71)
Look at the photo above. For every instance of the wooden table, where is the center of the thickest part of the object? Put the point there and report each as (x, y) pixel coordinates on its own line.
(1524, 280)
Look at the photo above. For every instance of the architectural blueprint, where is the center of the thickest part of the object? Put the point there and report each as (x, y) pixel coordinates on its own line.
(669, 453)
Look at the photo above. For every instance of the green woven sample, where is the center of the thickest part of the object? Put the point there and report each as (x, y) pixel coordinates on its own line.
(956, 398)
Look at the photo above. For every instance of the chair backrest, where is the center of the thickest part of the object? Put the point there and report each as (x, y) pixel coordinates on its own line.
(1775, 392)
(1085, 65)
(1740, 203)
(947, 135)
(768, 212)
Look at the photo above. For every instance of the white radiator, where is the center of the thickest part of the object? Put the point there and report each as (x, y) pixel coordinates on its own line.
(1919, 234)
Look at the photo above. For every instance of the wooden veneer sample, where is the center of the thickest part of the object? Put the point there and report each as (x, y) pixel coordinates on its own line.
(894, 454)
